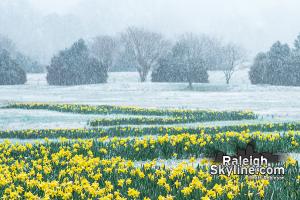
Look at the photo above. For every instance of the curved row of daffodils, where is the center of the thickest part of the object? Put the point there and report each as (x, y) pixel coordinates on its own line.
(155, 120)
(186, 145)
(141, 121)
(200, 115)
(66, 172)
(104, 168)
(141, 131)
(180, 146)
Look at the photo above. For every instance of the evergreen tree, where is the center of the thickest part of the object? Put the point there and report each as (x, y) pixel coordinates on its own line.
(297, 43)
(74, 66)
(279, 66)
(278, 57)
(257, 72)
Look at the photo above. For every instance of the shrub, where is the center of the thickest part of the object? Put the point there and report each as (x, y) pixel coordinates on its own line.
(74, 66)
(279, 66)
(258, 69)
(10, 72)
(173, 70)
(185, 63)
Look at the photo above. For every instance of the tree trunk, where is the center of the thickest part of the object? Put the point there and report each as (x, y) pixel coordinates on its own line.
(143, 75)
(190, 85)
(227, 81)
(143, 78)
(227, 76)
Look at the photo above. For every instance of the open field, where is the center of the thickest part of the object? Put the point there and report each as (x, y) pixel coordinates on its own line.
(124, 89)
(273, 103)
(109, 149)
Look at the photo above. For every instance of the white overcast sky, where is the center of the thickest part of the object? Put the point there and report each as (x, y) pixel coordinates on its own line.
(60, 6)
(255, 24)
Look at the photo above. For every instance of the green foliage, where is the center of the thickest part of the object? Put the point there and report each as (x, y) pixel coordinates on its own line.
(74, 66)
(175, 116)
(141, 131)
(279, 66)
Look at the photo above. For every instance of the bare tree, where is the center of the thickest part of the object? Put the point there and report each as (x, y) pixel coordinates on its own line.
(232, 56)
(147, 48)
(103, 48)
(210, 49)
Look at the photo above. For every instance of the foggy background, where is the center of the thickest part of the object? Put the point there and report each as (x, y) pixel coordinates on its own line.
(40, 28)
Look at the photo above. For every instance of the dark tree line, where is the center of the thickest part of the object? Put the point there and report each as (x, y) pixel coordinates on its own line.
(279, 66)
(186, 59)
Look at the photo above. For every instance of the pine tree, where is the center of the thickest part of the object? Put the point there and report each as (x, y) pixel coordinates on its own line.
(74, 66)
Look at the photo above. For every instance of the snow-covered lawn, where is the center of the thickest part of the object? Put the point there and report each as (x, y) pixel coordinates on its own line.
(276, 103)
(16, 119)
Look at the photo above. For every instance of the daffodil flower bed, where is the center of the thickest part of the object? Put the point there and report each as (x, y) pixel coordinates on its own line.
(139, 121)
(186, 145)
(141, 131)
(150, 121)
(74, 171)
(182, 145)
(105, 168)
(199, 115)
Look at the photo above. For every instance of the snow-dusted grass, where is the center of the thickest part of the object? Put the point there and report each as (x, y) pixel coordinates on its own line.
(124, 89)
(16, 119)
(276, 103)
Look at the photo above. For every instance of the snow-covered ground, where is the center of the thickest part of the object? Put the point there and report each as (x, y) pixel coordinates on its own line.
(16, 119)
(123, 88)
